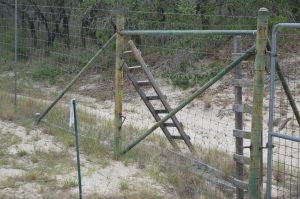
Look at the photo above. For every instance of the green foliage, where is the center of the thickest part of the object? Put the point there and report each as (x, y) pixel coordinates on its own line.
(276, 19)
(185, 79)
(186, 7)
(46, 71)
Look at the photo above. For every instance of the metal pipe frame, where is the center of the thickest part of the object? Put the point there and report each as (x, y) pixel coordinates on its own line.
(208, 84)
(272, 103)
(285, 136)
(15, 54)
(188, 32)
(286, 88)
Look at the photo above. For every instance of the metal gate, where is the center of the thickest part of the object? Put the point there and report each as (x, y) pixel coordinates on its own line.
(283, 165)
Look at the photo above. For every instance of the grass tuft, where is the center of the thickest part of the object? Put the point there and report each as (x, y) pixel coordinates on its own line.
(69, 183)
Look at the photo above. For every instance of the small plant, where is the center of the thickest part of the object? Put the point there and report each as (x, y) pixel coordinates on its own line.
(174, 178)
(123, 185)
(34, 159)
(22, 153)
(149, 194)
(8, 182)
(155, 173)
(69, 183)
(279, 173)
(46, 71)
(207, 103)
(91, 171)
(30, 176)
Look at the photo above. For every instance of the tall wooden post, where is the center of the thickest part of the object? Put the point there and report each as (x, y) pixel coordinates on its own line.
(120, 23)
(255, 172)
(238, 91)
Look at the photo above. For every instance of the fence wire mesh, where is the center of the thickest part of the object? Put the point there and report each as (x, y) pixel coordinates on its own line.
(54, 43)
(180, 65)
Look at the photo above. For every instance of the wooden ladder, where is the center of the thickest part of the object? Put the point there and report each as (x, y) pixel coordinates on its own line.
(139, 84)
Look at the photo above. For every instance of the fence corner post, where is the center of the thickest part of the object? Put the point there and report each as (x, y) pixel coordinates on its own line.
(238, 92)
(120, 23)
(255, 171)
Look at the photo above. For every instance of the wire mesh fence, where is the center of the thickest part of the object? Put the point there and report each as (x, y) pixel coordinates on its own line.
(180, 65)
(55, 42)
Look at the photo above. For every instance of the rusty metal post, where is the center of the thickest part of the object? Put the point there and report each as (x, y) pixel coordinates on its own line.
(118, 84)
(255, 171)
(238, 92)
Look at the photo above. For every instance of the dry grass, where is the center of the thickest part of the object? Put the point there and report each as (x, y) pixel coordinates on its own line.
(155, 160)
(207, 103)
(221, 160)
(279, 172)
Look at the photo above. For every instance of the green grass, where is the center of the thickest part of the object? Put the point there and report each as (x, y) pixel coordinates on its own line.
(69, 183)
(46, 71)
(156, 173)
(30, 176)
(153, 159)
(22, 153)
(123, 185)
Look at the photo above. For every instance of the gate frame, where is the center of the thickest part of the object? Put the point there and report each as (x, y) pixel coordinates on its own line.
(271, 132)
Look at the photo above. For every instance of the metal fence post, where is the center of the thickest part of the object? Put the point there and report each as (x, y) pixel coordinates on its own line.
(255, 171)
(119, 84)
(77, 147)
(238, 116)
(15, 53)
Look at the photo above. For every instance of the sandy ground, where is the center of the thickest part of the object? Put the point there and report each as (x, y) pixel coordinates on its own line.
(96, 179)
(209, 127)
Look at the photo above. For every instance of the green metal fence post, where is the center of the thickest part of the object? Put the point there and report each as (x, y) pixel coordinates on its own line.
(255, 171)
(119, 83)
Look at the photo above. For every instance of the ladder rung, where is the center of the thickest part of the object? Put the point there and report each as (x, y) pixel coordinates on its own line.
(179, 137)
(241, 159)
(170, 124)
(161, 111)
(144, 83)
(153, 97)
(134, 67)
(242, 134)
(127, 52)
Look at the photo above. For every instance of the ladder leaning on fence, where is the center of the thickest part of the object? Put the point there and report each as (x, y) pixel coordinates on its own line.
(158, 97)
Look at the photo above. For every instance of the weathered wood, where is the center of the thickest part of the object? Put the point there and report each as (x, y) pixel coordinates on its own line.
(242, 134)
(150, 107)
(216, 176)
(153, 97)
(242, 108)
(161, 111)
(179, 127)
(128, 52)
(169, 124)
(242, 83)
(238, 91)
(240, 184)
(241, 159)
(143, 82)
(134, 67)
